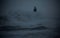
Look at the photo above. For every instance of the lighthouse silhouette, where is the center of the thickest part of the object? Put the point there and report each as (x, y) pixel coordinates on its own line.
(35, 9)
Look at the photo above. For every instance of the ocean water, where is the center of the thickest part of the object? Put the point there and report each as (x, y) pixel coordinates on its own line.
(33, 22)
(18, 14)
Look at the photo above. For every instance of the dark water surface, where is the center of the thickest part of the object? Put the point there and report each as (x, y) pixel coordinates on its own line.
(29, 19)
